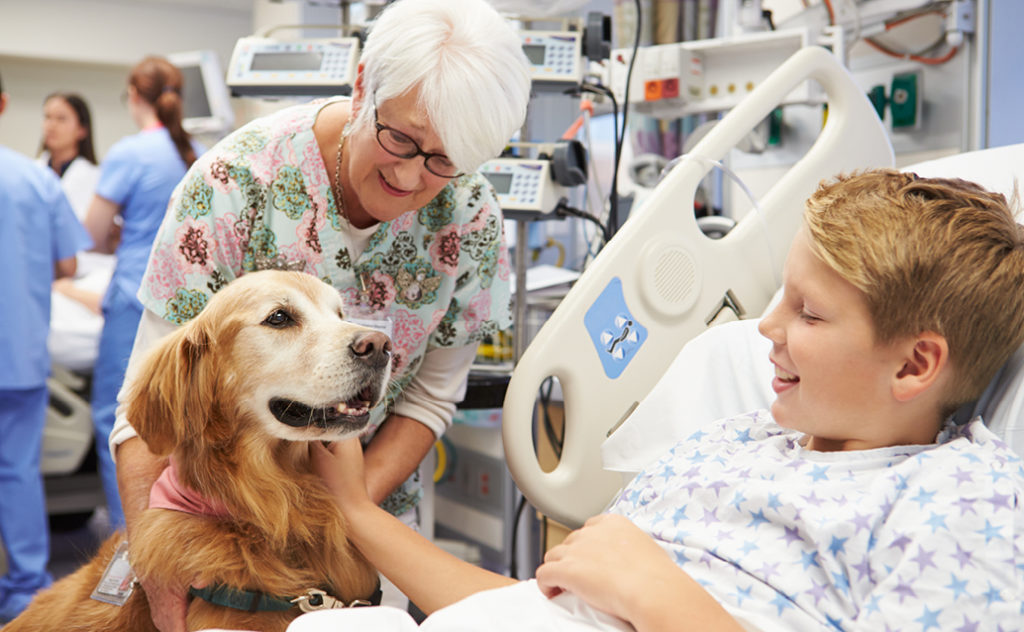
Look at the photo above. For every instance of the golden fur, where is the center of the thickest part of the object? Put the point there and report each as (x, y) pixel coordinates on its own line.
(202, 396)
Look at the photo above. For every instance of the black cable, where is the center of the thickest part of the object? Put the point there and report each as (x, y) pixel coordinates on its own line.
(549, 427)
(595, 88)
(564, 209)
(613, 206)
(556, 445)
(513, 571)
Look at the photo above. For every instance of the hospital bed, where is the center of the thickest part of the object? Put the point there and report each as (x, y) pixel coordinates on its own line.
(73, 487)
(660, 282)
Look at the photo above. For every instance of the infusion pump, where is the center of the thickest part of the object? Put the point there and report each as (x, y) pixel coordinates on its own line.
(523, 185)
(262, 66)
(556, 57)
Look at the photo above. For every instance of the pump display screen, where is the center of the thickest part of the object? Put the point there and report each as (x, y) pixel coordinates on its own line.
(502, 182)
(287, 61)
(535, 53)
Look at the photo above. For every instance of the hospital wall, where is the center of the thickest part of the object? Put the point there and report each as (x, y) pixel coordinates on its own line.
(88, 46)
(971, 102)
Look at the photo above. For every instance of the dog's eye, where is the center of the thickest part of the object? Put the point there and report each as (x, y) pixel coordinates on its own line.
(278, 319)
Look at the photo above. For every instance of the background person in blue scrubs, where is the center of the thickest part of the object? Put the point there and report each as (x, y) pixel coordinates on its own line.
(137, 177)
(39, 236)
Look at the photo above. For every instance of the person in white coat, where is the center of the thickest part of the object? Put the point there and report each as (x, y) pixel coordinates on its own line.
(67, 148)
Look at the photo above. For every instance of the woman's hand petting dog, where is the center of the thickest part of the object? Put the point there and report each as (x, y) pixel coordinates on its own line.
(340, 464)
(170, 616)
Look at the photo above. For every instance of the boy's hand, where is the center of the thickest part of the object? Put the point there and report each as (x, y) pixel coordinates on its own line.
(616, 567)
(609, 563)
(340, 465)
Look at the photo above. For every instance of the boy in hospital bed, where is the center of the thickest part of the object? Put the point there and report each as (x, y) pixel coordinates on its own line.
(855, 502)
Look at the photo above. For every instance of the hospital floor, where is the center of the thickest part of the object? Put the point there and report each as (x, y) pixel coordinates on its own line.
(72, 544)
(70, 547)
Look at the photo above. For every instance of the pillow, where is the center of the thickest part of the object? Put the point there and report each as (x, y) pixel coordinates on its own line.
(997, 169)
(720, 373)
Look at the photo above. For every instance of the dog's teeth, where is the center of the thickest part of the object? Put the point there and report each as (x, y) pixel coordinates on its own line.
(345, 408)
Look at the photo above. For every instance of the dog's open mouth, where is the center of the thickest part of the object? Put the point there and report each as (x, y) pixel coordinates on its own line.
(299, 415)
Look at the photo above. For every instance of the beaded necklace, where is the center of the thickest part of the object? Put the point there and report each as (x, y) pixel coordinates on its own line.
(340, 203)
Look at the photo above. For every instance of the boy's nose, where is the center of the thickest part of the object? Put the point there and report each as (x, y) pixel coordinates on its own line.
(769, 325)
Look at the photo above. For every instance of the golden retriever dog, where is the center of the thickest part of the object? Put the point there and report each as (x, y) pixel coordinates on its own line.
(233, 398)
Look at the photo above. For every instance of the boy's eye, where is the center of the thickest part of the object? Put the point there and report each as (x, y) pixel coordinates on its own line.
(808, 317)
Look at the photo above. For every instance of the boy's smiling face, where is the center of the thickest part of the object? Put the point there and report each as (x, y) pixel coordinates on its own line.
(832, 380)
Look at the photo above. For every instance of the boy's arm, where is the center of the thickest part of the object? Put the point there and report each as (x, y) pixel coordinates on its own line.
(429, 576)
(617, 568)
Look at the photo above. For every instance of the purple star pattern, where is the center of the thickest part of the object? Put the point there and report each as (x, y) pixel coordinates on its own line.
(889, 538)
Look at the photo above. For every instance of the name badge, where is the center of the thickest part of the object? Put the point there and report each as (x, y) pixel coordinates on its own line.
(118, 580)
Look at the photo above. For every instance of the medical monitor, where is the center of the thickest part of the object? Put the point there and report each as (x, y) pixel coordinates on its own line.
(206, 96)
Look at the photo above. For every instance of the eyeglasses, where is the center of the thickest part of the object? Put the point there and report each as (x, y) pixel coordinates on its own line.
(398, 144)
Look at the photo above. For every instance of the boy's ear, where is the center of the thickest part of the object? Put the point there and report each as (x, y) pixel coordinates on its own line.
(924, 362)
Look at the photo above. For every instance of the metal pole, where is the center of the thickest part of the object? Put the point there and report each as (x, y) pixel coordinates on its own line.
(519, 333)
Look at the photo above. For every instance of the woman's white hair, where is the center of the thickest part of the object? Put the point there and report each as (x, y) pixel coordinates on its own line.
(469, 66)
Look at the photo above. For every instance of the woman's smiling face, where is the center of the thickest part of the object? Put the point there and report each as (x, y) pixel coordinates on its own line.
(387, 185)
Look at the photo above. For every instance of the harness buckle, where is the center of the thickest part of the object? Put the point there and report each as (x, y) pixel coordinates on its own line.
(316, 599)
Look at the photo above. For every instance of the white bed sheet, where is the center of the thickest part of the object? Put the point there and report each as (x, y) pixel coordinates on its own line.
(517, 608)
(74, 337)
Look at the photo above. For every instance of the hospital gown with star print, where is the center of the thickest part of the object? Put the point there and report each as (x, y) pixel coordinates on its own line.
(910, 538)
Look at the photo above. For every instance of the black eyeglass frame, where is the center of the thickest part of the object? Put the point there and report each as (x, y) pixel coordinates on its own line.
(417, 150)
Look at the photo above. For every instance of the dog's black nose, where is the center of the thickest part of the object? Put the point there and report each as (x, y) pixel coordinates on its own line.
(372, 347)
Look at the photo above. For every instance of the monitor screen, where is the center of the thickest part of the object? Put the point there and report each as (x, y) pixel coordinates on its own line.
(502, 181)
(286, 61)
(535, 53)
(197, 103)
(205, 96)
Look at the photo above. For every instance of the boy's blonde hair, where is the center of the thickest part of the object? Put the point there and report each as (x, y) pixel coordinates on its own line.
(929, 254)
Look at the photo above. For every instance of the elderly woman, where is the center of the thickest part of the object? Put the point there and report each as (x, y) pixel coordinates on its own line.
(378, 194)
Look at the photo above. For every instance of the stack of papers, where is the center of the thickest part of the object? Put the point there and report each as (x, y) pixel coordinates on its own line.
(544, 276)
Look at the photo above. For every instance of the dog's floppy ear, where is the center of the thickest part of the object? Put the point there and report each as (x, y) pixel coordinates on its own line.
(171, 393)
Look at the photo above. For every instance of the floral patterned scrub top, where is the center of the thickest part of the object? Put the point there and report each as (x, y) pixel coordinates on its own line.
(262, 198)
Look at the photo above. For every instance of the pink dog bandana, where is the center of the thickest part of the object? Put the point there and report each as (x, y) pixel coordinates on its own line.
(169, 493)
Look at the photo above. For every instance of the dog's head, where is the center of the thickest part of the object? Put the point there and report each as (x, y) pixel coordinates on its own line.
(270, 350)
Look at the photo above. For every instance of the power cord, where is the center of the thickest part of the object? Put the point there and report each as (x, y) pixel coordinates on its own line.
(613, 212)
(513, 566)
(546, 387)
(563, 209)
(555, 440)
